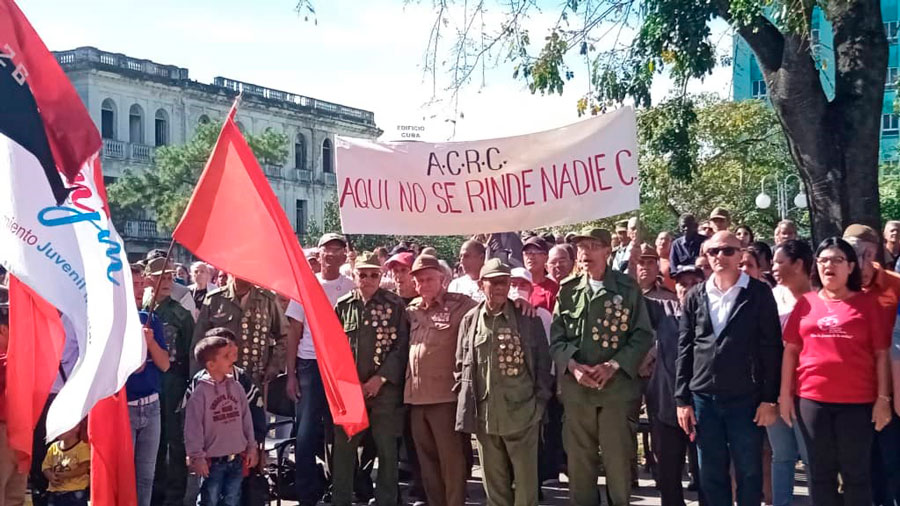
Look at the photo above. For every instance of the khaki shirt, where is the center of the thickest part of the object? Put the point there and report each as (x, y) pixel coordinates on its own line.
(378, 331)
(257, 322)
(432, 348)
(595, 327)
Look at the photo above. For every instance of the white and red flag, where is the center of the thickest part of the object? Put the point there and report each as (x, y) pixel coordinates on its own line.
(56, 237)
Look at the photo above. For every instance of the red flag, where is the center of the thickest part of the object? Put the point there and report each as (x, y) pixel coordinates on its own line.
(36, 342)
(235, 222)
(112, 454)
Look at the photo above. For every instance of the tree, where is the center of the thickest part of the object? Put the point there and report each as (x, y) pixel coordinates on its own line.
(165, 188)
(834, 143)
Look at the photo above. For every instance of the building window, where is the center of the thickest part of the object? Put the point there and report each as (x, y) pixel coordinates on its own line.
(758, 89)
(890, 30)
(327, 156)
(300, 152)
(204, 119)
(300, 224)
(890, 124)
(890, 78)
(162, 127)
(108, 119)
(136, 124)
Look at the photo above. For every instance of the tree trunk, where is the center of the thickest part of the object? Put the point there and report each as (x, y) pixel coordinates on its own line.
(834, 144)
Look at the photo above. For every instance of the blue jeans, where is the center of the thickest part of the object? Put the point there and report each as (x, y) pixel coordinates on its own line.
(223, 486)
(311, 411)
(726, 433)
(787, 443)
(145, 431)
(76, 498)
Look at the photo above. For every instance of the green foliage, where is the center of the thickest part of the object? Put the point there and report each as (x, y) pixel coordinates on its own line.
(164, 189)
(446, 246)
(889, 190)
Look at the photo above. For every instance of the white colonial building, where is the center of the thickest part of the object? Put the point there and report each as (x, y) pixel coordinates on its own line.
(139, 105)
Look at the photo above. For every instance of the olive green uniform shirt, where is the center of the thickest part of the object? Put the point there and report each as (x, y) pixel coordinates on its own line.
(257, 322)
(594, 327)
(178, 325)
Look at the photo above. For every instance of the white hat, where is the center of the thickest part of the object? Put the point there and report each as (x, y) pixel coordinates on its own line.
(521, 273)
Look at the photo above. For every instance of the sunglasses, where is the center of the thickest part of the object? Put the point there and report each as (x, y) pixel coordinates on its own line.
(373, 275)
(727, 251)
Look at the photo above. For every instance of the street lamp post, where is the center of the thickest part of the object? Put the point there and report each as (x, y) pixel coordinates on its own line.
(763, 201)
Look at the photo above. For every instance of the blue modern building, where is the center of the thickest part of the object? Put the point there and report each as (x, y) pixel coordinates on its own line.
(748, 83)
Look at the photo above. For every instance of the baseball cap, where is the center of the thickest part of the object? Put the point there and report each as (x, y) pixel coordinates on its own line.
(494, 268)
(521, 273)
(405, 258)
(862, 232)
(537, 242)
(688, 269)
(648, 251)
(310, 252)
(331, 236)
(720, 212)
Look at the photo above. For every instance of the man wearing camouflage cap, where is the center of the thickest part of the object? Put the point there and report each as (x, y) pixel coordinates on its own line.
(503, 381)
(375, 322)
(599, 336)
(170, 480)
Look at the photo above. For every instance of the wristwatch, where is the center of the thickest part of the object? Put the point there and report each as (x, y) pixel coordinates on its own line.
(615, 364)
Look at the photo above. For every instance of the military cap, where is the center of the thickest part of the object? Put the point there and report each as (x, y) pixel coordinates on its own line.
(536, 242)
(597, 234)
(862, 232)
(648, 251)
(367, 260)
(158, 267)
(494, 268)
(720, 212)
(331, 236)
(424, 262)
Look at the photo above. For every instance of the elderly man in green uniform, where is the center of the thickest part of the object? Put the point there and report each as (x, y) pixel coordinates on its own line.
(504, 382)
(599, 336)
(170, 479)
(376, 324)
(256, 318)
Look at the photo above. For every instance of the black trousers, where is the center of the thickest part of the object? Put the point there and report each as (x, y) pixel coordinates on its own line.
(670, 447)
(839, 440)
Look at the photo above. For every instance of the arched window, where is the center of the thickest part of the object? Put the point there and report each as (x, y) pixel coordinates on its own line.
(300, 152)
(136, 124)
(327, 156)
(108, 119)
(162, 127)
(204, 119)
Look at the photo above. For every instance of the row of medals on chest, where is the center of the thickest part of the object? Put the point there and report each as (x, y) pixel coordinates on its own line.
(509, 353)
(614, 320)
(379, 317)
(254, 332)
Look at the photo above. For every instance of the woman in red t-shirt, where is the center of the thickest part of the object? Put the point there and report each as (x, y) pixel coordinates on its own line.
(836, 364)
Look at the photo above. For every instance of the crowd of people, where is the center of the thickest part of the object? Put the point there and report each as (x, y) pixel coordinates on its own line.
(746, 357)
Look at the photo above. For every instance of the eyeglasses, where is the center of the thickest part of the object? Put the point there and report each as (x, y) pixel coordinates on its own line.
(372, 275)
(727, 251)
(831, 260)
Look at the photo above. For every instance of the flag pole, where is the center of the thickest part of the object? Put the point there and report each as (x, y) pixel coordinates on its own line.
(159, 281)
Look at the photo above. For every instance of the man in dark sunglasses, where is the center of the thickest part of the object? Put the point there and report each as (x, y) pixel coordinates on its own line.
(728, 372)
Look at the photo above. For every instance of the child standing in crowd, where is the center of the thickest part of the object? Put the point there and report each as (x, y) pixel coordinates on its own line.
(12, 482)
(67, 467)
(218, 427)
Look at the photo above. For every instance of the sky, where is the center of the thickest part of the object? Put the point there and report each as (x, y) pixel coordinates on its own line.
(366, 54)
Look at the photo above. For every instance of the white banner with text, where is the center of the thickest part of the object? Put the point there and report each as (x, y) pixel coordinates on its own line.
(573, 174)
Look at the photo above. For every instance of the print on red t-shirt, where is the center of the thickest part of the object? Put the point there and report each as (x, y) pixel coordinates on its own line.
(839, 340)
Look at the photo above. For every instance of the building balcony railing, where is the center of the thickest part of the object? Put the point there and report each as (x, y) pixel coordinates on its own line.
(292, 98)
(329, 179)
(304, 176)
(119, 61)
(142, 229)
(118, 150)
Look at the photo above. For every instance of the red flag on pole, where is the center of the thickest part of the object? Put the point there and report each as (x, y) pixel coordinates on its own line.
(235, 222)
(36, 342)
(112, 454)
